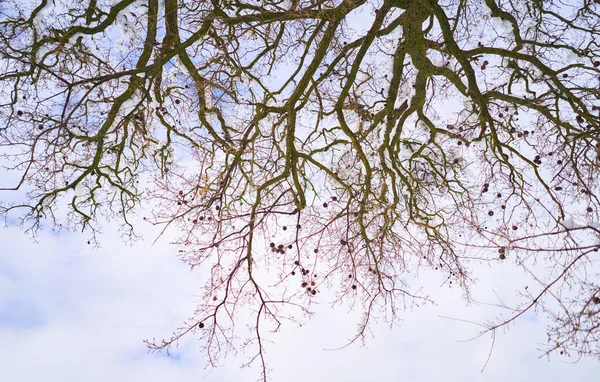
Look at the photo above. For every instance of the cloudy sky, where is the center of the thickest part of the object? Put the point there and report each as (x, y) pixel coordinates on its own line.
(70, 312)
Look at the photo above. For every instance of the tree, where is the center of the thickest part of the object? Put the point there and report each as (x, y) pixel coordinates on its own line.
(299, 146)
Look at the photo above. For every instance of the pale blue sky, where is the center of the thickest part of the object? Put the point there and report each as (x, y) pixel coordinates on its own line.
(70, 312)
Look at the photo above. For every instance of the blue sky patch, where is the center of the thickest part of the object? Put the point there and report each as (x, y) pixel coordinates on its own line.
(21, 314)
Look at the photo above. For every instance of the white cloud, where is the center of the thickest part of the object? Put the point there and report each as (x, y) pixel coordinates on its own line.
(94, 308)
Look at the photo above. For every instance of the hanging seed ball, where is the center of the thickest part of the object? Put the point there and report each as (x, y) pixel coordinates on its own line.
(501, 250)
(316, 250)
(312, 283)
(334, 198)
(293, 273)
(19, 113)
(290, 246)
(559, 162)
(514, 227)
(353, 286)
(325, 204)
(298, 226)
(499, 195)
(284, 228)
(304, 284)
(308, 289)
(490, 213)
(349, 276)
(503, 207)
(596, 64)
(177, 101)
(296, 262)
(201, 325)
(272, 245)
(590, 209)
(314, 292)
(280, 246)
(343, 242)
(596, 300)
(502, 256)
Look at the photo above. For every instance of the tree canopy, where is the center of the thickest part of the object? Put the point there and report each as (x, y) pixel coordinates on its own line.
(300, 147)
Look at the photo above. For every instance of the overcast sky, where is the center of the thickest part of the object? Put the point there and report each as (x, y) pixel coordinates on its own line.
(69, 312)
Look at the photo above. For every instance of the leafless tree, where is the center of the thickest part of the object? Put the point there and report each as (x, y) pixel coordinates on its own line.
(301, 145)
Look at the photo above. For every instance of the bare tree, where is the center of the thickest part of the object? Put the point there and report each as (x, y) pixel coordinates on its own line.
(302, 145)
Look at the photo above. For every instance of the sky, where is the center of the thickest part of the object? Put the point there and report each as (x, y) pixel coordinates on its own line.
(69, 312)
(73, 312)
